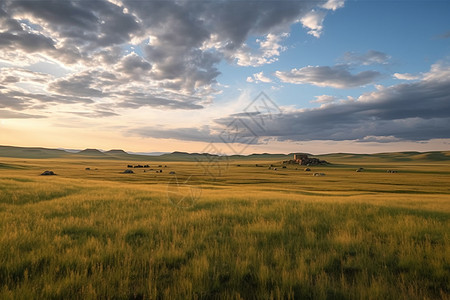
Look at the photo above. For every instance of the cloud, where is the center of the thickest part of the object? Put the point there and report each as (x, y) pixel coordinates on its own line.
(324, 99)
(77, 85)
(6, 114)
(259, 77)
(313, 21)
(27, 42)
(19, 100)
(333, 4)
(24, 89)
(120, 91)
(369, 58)
(95, 113)
(134, 66)
(86, 24)
(440, 72)
(161, 101)
(14, 75)
(11, 101)
(406, 76)
(325, 76)
(268, 52)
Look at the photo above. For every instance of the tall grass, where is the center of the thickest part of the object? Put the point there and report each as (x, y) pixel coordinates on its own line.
(353, 236)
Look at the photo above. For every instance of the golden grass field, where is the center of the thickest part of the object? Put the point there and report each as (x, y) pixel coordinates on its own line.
(250, 233)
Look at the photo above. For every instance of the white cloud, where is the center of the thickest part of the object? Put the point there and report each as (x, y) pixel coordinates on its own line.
(270, 46)
(333, 4)
(259, 77)
(440, 72)
(313, 21)
(324, 99)
(406, 76)
(269, 49)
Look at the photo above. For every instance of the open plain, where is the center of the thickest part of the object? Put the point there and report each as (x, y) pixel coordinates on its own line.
(234, 229)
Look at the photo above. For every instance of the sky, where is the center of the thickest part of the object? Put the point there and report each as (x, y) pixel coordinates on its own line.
(226, 77)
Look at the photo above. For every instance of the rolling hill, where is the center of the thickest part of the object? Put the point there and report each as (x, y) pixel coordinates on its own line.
(118, 154)
(35, 152)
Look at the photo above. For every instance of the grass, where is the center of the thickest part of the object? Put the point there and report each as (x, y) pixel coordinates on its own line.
(253, 233)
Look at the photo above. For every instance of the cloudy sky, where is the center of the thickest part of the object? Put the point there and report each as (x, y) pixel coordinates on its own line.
(225, 76)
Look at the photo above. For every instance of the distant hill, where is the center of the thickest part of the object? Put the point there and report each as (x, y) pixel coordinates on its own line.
(118, 154)
(22, 152)
(91, 152)
(184, 156)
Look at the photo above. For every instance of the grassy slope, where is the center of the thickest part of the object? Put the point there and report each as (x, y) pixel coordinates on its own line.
(254, 232)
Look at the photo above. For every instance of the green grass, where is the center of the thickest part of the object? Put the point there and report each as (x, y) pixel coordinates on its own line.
(253, 233)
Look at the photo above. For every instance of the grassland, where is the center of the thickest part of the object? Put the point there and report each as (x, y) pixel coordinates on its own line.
(250, 233)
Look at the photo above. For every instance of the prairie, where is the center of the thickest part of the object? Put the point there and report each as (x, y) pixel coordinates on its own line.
(226, 230)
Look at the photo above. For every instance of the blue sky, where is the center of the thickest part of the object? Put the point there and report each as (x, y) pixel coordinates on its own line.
(343, 76)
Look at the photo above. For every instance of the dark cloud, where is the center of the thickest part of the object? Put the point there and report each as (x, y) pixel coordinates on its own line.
(92, 84)
(9, 79)
(78, 85)
(235, 20)
(19, 100)
(27, 42)
(11, 101)
(13, 75)
(8, 24)
(90, 24)
(369, 58)
(325, 76)
(95, 113)
(57, 13)
(162, 101)
(13, 36)
(134, 66)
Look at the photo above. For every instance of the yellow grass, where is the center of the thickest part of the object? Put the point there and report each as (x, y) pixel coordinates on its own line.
(251, 233)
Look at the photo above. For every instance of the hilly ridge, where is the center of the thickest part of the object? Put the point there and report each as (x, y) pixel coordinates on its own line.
(119, 154)
(91, 152)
